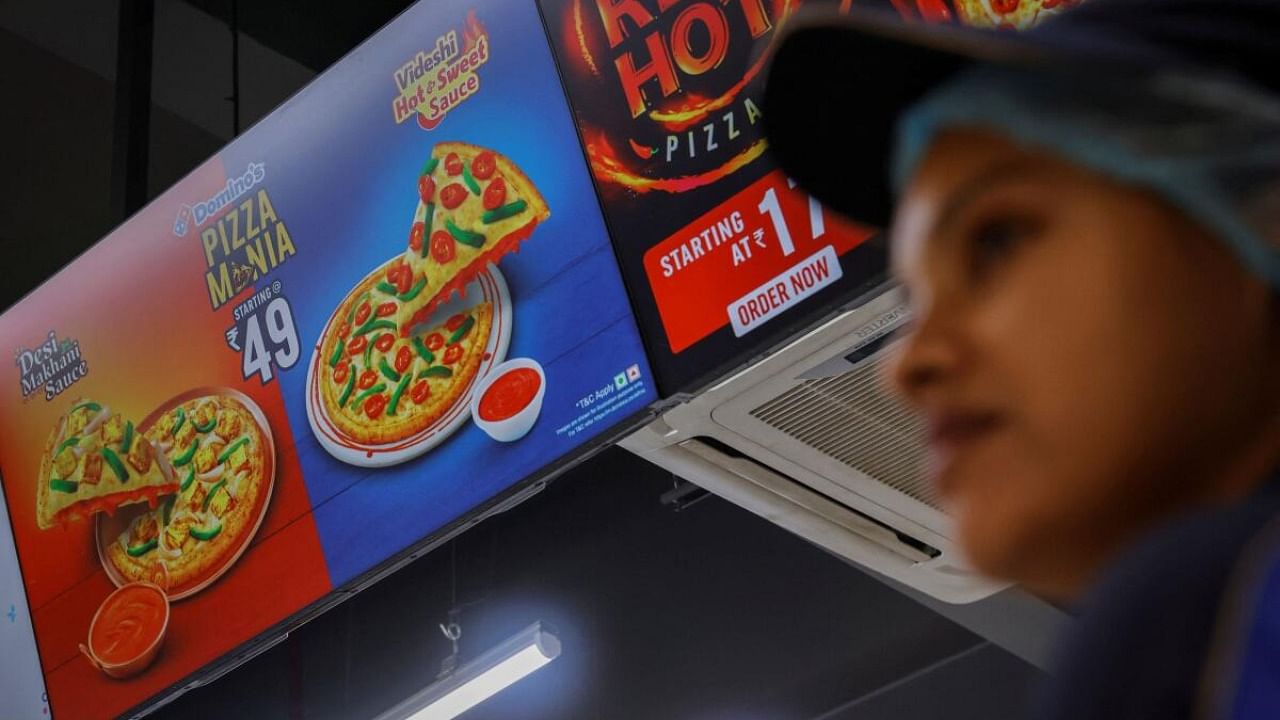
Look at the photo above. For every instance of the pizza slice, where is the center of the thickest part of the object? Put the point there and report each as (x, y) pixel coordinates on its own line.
(474, 207)
(96, 461)
(379, 388)
(224, 468)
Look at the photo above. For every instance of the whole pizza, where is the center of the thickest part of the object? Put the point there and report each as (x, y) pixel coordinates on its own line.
(222, 459)
(95, 461)
(388, 369)
(379, 386)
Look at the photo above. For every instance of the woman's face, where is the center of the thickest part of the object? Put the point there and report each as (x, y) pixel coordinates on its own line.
(1089, 361)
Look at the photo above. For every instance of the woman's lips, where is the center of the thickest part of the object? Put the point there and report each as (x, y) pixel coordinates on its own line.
(950, 433)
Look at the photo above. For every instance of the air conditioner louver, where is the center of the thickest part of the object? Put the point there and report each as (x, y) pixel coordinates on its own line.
(851, 417)
(813, 440)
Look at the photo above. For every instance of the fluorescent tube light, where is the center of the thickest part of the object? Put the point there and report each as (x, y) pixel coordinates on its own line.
(481, 678)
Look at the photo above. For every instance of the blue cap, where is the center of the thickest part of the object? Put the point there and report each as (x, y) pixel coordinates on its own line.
(839, 82)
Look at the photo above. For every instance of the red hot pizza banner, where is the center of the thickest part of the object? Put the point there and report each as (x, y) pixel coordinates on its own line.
(721, 252)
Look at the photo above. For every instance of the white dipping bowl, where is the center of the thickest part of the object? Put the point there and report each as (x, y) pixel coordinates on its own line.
(518, 425)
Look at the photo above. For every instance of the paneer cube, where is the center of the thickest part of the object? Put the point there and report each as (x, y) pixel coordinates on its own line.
(164, 426)
(206, 457)
(204, 413)
(229, 425)
(195, 503)
(113, 430)
(239, 459)
(185, 434)
(141, 455)
(65, 463)
(78, 419)
(178, 532)
(144, 530)
(221, 503)
(92, 471)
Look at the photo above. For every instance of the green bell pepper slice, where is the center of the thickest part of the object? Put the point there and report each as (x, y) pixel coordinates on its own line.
(470, 179)
(466, 237)
(370, 325)
(186, 482)
(69, 442)
(346, 392)
(63, 486)
(380, 387)
(395, 396)
(414, 291)
(421, 348)
(187, 454)
(463, 329)
(439, 371)
(430, 165)
(206, 534)
(504, 212)
(144, 548)
(387, 370)
(216, 487)
(181, 414)
(92, 406)
(127, 442)
(426, 229)
(114, 461)
(228, 450)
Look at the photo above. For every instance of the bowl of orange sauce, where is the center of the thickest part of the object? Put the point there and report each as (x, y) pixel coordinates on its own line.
(508, 400)
(128, 629)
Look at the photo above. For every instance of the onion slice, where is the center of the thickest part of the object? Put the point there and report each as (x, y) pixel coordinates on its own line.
(213, 474)
(92, 426)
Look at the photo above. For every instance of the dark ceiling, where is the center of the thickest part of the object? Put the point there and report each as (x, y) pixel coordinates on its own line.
(710, 613)
(706, 613)
(315, 34)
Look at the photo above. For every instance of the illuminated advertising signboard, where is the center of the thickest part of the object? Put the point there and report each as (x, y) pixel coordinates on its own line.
(718, 248)
(723, 255)
(384, 309)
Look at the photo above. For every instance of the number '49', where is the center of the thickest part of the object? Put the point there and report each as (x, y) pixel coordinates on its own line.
(279, 346)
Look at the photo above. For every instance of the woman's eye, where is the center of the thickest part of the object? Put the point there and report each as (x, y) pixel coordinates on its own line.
(994, 241)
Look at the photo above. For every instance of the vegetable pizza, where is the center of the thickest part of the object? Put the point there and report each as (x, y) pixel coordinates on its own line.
(222, 459)
(388, 368)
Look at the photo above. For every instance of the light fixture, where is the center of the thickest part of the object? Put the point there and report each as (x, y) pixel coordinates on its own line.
(480, 679)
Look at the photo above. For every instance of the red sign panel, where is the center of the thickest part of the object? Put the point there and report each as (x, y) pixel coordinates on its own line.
(760, 252)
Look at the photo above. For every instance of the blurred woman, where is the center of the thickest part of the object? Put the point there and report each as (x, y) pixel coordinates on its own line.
(1086, 219)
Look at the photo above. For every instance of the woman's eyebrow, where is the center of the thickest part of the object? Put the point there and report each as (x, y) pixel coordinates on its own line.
(1005, 171)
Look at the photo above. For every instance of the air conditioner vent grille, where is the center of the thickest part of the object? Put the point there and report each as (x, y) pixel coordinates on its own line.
(855, 419)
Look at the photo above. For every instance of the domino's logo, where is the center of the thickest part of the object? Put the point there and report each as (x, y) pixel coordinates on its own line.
(193, 216)
(183, 223)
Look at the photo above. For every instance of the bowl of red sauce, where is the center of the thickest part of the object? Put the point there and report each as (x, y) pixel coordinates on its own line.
(128, 629)
(508, 400)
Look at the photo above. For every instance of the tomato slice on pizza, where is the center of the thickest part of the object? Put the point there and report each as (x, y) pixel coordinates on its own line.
(474, 206)
(95, 461)
(220, 454)
(379, 387)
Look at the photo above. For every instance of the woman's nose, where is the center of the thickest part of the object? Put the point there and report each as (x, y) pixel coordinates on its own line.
(924, 358)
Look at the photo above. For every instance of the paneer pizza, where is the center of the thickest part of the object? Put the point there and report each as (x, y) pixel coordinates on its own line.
(223, 460)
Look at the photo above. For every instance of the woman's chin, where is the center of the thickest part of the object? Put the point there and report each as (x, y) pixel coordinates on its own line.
(1006, 546)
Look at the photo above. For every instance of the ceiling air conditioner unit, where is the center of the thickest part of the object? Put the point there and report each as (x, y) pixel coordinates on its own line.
(812, 440)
